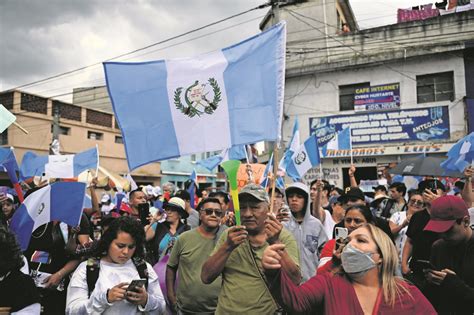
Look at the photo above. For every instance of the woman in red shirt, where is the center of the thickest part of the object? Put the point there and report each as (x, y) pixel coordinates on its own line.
(365, 284)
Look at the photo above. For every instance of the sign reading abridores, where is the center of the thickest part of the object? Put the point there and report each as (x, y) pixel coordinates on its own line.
(420, 124)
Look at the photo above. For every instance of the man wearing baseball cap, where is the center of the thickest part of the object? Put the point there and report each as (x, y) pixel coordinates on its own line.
(451, 277)
(238, 255)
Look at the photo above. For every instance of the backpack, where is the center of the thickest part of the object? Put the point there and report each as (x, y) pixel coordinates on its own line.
(93, 268)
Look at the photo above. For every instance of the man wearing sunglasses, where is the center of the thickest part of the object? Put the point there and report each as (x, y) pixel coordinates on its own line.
(189, 253)
(238, 255)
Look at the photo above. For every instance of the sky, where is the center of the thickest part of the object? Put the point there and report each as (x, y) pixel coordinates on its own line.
(41, 39)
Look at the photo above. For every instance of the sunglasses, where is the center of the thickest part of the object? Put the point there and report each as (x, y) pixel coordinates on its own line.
(417, 203)
(216, 212)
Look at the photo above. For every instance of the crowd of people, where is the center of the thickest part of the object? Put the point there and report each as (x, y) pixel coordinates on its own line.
(320, 250)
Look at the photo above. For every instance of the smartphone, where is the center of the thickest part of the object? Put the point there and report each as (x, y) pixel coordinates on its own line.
(144, 212)
(136, 284)
(425, 264)
(341, 233)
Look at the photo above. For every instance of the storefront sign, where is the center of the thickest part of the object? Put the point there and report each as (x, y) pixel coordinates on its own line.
(421, 124)
(391, 150)
(379, 97)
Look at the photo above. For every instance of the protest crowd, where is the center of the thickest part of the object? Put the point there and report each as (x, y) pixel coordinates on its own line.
(320, 249)
(263, 247)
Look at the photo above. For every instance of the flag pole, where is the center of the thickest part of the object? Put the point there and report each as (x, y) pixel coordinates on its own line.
(320, 165)
(248, 167)
(275, 169)
(350, 148)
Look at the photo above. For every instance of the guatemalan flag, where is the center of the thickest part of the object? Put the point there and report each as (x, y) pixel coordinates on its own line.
(305, 158)
(292, 147)
(62, 201)
(264, 180)
(341, 141)
(177, 107)
(237, 152)
(58, 166)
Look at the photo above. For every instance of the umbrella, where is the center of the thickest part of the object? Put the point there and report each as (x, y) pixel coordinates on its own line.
(424, 166)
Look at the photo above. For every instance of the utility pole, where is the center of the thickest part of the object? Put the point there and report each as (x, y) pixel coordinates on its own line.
(54, 147)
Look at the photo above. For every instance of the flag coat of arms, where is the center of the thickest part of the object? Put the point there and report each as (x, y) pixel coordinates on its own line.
(171, 108)
(61, 201)
(305, 158)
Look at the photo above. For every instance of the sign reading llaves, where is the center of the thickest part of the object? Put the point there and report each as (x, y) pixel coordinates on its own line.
(420, 124)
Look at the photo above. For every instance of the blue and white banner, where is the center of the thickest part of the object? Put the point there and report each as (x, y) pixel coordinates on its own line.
(341, 141)
(62, 201)
(416, 124)
(306, 157)
(58, 166)
(172, 108)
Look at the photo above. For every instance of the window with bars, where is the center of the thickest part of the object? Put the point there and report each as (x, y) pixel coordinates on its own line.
(346, 95)
(435, 87)
(4, 137)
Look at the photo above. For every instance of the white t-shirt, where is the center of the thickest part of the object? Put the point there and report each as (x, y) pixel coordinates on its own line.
(398, 218)
(328, 224)
(110, 275)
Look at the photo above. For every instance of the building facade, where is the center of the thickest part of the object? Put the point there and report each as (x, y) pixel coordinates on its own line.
(80, 129)
(404, 89)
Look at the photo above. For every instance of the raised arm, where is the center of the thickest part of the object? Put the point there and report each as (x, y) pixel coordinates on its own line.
(467, 190)
(352, 178)
(214, 265)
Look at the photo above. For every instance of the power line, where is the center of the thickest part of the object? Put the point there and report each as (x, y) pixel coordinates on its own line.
(146, 47)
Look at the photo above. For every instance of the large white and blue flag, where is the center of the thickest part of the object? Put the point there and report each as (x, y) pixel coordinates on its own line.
(341, 141)
(237, 152)
(461, 155)
(305, 158)
(178, 107)
(62, 201)
(292, 147)
(58, 166)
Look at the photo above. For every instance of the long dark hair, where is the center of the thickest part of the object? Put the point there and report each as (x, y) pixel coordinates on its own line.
(11, 257)
(123, 224)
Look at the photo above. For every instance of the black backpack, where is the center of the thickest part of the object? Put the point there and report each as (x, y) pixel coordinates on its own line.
(93, 268)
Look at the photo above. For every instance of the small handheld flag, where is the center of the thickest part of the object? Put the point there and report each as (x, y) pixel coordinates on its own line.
(306, 157)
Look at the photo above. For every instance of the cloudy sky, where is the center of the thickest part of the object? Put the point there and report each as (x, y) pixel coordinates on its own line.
(43, 38)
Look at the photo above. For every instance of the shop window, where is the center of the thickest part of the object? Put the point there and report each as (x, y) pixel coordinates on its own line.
(346, 95)
(95, 135)
(435, 87)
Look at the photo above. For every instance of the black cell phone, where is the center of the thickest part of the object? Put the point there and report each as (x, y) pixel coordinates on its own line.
(144, 212)
(425, 264)
(136, 284)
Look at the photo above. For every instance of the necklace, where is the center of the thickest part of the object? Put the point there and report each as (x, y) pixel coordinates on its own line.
(42, 233)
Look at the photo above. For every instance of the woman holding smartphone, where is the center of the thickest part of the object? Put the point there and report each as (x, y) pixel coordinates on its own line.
(120, 254)
(365, 283)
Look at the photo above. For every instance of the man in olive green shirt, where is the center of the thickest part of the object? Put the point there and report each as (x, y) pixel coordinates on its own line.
(189, 253)
(237, 257)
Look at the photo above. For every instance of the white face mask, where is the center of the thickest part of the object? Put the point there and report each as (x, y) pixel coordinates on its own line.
(355, 262)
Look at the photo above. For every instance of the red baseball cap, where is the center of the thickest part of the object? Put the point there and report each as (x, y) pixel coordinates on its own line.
(444, 212)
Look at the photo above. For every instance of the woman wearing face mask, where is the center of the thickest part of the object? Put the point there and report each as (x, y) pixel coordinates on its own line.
(365, 282)
(355, 217)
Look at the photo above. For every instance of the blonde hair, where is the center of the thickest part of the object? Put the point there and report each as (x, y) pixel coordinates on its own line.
(393, 287)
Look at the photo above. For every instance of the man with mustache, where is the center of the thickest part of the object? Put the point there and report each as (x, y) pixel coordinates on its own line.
(238, 255)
